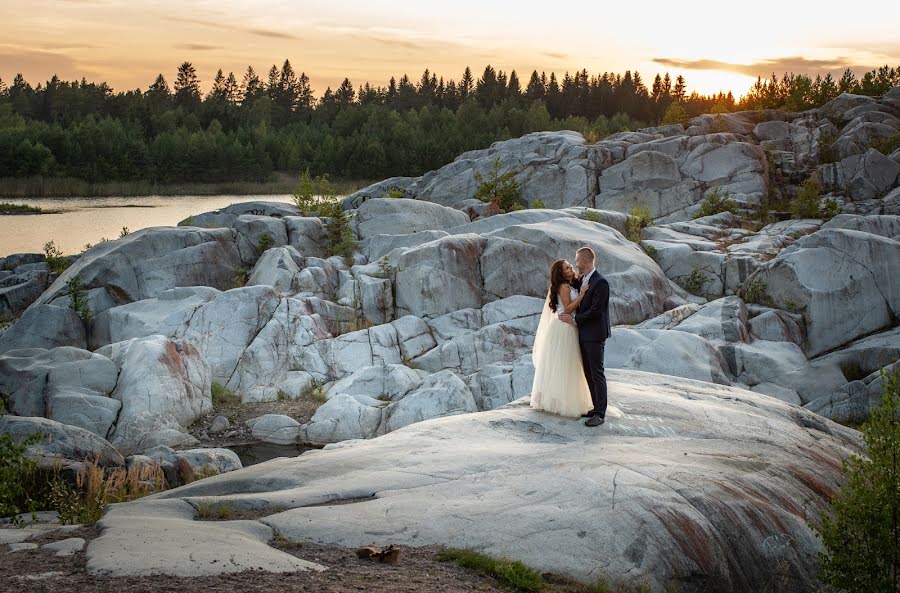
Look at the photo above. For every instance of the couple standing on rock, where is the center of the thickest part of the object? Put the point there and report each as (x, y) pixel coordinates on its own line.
(569, 345)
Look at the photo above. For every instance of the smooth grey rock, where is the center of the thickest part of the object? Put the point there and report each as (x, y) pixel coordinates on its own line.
(84, 408)
(29, 376)
(219, 425)
(387, 216)
(45, 326)
(144, 263)
(164, 385)
(275, 428)
(65, 547)
(193, 548)
(841, 281)
(306, 235)
(449, 481)
(278, 267)
(62, 443)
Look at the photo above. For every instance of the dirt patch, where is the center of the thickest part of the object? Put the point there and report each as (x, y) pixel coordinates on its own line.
(237, 413)
(37, 571)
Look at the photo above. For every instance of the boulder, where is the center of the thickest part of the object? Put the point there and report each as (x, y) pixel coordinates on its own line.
(387, 216)
(675, 353)
(143, 264)
(306, 235)
(841, 281)
(84, 408)
(212, 460)
(853, 402)
(164, 385)
(278, 267)
(45, 326)
(690, 466)
(392, 187)
(61, 443)
(275, 428)
(31, 377)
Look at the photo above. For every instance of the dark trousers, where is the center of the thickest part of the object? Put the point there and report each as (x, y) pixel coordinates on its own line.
(592, 360)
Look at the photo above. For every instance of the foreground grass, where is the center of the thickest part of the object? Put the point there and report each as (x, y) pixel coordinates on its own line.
(64, 187)
(7, 209)
(516, 576)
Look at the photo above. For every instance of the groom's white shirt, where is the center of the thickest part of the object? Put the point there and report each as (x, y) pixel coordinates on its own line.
(583, 280)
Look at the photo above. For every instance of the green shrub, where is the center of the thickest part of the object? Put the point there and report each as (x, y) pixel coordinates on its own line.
(189, 221)
(282, 396)
(222, 396)
(827, 153)
(537, 204)
(639, 220)
(314, 195)
(695, 281)
(510, 573)
(806, 204)
(756, 292)
(394, 193)
(888, 145)
(265, 241)
(78, 297)
(241, 275)
(861, 529)
(650, 250)
(675, 114)
(830, 210)
(592, 216)
(341, 238)
(124, 232)
(55, 258)
(18, 476)
(716, 201)
(500, 190)
(385, 265)
(316, 392)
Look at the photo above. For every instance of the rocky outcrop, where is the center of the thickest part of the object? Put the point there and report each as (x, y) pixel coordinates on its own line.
(696, 484)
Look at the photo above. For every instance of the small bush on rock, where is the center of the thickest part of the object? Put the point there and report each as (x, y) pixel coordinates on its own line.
(806, 204)
(222, 396)
(639, 220)
(314, 195)
(716, 201)
(861, 529)
(695, 281)
(341, 239)
(830, 210)
(55, 258)
(537, 204)
(78, 297)
(500, 190)
(511, 574)
(265, 241)
(592, 216)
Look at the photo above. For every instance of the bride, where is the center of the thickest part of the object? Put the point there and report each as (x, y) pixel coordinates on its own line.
(559, 384)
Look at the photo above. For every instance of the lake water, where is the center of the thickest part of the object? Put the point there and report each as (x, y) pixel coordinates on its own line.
(253, 453)
(87, 220)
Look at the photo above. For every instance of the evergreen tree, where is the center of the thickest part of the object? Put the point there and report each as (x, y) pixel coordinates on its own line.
(2, 87)
(861, 530)
(680, 89)
(486, 89)
(273, 83)
(847, 83)
(217, 92)
(232, 89)
(513, 87)
(251, 85)
(466, 85)
(187, 86)
(345, 93)
(535, 88)
(159, 89)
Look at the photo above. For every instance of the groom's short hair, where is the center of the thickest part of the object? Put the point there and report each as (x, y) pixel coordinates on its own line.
(585, 252)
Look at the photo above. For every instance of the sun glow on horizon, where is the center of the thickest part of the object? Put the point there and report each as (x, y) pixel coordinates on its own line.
(127, 44)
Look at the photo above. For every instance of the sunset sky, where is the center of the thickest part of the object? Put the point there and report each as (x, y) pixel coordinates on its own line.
(127, 43)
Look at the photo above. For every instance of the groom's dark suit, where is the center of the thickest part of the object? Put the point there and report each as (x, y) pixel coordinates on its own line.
(592, 318)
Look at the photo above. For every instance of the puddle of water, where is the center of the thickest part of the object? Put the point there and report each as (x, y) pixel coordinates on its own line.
(253, 453)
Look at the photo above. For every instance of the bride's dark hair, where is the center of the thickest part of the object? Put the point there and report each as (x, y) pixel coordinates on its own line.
(557, 279)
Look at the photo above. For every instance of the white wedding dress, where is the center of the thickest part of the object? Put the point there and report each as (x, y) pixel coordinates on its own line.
(559, 385)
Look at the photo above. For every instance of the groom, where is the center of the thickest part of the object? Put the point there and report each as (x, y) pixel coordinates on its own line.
(592, 319)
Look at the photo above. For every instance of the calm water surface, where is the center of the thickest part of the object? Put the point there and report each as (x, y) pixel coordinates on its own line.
(87, 220)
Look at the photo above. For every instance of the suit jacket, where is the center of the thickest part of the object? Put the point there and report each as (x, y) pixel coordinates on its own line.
(592, 315)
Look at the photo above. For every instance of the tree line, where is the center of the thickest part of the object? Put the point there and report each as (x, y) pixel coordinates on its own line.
(247, 129)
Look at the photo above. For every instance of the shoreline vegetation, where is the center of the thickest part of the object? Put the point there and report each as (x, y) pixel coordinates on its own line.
(9, 209)
(70, 187)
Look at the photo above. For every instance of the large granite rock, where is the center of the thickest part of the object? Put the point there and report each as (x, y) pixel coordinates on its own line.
(143, 264)
(45, 326)
(388, 216)
(31, 378)
(554, 167)
(60, 444)
(842, 281)
(687, 482)
(164, 385)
